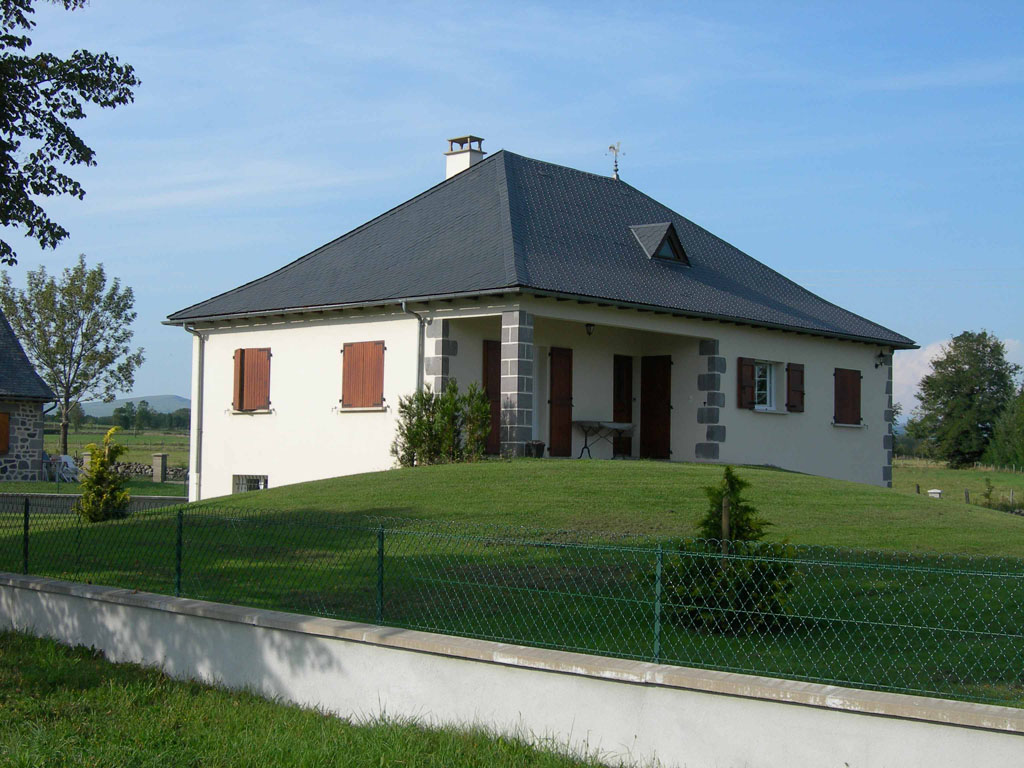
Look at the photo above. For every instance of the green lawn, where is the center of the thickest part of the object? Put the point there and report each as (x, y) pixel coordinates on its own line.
(141, 446)
(136, 487)
(510, 565)
(66, 707)
(655, 499)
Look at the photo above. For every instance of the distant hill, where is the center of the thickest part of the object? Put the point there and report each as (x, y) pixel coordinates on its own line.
(159, 403)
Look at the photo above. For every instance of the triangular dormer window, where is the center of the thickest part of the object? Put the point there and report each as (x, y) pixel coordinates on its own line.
(660, 241)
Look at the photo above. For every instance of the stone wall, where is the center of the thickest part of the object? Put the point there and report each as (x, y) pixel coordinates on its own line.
(24, 458)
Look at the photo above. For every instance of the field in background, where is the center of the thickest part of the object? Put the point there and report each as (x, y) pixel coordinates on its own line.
(908, 472)
(141, 447)
(136, 487)
(70, 707)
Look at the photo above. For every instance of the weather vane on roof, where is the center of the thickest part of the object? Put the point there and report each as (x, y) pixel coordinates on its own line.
(615, 149)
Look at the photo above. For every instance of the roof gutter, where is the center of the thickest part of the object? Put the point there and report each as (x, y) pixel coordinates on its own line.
(198, 410)
(556, 295)
(336, 307)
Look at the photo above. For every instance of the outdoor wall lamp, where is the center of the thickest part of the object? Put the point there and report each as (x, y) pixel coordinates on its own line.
(590, 329)
(880, 359)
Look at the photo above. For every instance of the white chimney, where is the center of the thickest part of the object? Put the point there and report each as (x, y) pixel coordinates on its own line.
(462, 152)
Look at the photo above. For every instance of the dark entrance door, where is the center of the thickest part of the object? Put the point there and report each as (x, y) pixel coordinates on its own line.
(622, 401)
(492, 387)
(655, 406)
(560, 413)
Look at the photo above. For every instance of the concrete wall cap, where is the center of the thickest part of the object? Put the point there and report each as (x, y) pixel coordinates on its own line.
(942, 711)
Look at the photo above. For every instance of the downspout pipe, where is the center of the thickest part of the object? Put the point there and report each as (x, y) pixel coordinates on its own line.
(198, 405)
(422, 333)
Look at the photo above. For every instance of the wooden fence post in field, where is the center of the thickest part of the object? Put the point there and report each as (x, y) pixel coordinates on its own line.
(967, 496)
(918, 487)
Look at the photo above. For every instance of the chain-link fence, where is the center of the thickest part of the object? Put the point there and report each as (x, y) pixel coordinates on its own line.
(914, 623)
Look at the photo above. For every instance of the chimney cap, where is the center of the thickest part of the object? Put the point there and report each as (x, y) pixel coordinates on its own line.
(465, 144)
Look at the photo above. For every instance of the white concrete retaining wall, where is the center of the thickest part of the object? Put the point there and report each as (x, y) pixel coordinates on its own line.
(619, 709)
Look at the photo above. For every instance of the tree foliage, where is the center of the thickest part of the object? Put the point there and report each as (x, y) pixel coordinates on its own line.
(42, 95)
(745, 524)
(969, 385)
(442, 427)
(77, 332)
(103, 490)
(1007, 446)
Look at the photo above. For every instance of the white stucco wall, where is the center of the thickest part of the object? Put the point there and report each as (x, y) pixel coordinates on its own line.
(305, 437)
(616, 709)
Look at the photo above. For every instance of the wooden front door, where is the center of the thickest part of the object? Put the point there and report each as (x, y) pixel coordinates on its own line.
(622, 401)
(560, 402)
(655, 406)
(492, 387)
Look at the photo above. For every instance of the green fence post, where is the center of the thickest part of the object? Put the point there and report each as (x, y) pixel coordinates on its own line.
(380, 575)
(24, 541)
(177, 554)
(657, 606)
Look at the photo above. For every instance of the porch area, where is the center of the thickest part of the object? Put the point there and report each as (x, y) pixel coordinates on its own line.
(585, 389)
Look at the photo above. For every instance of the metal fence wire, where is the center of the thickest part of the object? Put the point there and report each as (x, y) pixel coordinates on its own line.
(945, 625)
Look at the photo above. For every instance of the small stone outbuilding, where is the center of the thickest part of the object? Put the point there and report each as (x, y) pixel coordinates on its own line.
(22, 397)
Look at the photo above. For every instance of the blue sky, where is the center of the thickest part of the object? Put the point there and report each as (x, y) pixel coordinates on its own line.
(872, 152)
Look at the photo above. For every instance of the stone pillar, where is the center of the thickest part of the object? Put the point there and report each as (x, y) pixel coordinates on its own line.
(709, 415)
(887, 418)
(439, 348)
(86, 460)
(516, 382)
(159, 467)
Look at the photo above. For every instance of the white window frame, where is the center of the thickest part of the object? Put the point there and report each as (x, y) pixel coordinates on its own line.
(770, 377)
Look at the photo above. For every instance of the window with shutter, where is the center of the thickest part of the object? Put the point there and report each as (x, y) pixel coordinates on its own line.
(847, 396)
(795, 387)
(251, 390)
(745, 383)
(5, 433)
(362, 375)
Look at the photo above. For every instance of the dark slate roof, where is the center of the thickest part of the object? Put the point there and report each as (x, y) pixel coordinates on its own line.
(512, 222)
(18, 379)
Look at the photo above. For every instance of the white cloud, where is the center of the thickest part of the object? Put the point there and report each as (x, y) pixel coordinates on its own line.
(912, 364)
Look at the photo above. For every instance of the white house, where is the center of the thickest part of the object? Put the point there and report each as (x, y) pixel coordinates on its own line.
(577, 300)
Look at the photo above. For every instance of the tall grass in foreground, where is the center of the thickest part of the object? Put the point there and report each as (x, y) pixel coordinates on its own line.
(66, 707)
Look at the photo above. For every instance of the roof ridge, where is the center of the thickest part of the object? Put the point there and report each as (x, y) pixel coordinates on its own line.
(508, 234)
(350, 233)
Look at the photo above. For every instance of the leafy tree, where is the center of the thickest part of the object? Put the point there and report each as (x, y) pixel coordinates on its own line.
(1007, 447)
(103, 490)
(970, 384)
(41, 95)
(124, 415)
(181, 418)
(144, 416)
(77, 332)
(76, 417)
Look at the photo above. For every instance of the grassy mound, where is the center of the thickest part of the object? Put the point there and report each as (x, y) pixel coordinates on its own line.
(652, 498)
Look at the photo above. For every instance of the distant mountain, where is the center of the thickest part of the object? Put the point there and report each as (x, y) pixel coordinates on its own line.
(159, 403)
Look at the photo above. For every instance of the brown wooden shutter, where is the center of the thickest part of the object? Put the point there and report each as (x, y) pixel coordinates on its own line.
(239, 385)
(362, 383)
(795, 387)
(5, 432)
(847, 396)
(745, 383)
(492, 386)
(256, 380)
